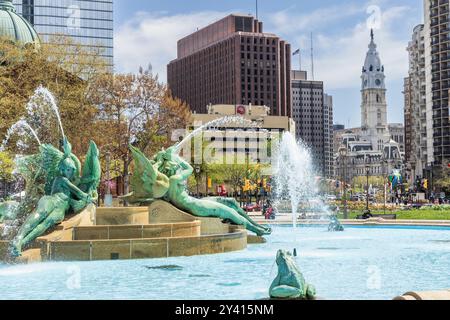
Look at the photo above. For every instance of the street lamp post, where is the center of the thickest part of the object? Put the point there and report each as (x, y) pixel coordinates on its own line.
(430, 176)
(367, 188)
(431, 181)
(197, 176)
(343, 155)
(384, 184)
(206, 183)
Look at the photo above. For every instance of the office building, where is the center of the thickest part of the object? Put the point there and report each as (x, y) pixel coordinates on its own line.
(241, 142)
(409, 157)
(437, 81)
(88, 22)
(415, 107)
(312, 111)
(232, 61)
(328, 135)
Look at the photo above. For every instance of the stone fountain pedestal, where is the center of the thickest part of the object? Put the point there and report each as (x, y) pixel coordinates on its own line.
(158, 231)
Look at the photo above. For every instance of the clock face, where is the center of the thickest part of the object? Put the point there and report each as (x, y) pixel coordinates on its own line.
(378, 82)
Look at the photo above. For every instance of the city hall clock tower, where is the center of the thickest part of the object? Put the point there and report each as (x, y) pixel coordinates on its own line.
(374, 127)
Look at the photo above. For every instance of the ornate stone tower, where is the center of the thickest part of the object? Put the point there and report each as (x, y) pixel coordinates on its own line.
(374, 107)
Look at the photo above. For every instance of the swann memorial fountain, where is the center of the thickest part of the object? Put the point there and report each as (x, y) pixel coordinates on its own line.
(57, 219)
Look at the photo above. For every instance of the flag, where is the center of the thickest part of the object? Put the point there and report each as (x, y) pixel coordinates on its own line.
(296, 52)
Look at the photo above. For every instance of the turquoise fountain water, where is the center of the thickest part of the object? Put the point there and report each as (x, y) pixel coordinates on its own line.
(41, 111)
(360, 263)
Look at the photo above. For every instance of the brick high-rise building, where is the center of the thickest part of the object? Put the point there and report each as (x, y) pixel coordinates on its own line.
(232, 61)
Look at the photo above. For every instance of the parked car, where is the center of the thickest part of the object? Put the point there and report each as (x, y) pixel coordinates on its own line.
(252, 207)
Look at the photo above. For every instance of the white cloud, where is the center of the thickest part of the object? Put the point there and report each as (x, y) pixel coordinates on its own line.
(288, 21)
(152, 38)
(340, 53)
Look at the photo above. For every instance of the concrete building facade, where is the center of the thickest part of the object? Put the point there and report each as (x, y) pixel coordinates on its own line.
(409, 157)
(397, 132)
(312, 111)
(328, 136)
(246, 141)
(416, 150)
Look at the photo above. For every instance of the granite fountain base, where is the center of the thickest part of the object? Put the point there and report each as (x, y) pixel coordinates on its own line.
(157, 231)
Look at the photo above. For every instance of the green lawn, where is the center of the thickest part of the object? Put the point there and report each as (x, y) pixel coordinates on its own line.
(428, 214)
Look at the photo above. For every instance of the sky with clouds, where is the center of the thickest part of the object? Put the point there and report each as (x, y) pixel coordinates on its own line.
(146, 32)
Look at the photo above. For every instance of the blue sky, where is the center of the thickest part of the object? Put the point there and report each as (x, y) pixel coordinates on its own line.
(146, 31)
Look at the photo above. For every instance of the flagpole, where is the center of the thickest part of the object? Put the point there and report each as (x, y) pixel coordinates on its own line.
(300, 60)
(298, 51)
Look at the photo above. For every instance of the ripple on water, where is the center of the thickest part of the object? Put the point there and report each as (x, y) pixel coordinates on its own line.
(231, 284)
(242, 260)
(165, 267)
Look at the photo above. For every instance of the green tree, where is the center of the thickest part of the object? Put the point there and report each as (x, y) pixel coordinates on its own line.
(6, 167)
(443, 182)
(62, 66)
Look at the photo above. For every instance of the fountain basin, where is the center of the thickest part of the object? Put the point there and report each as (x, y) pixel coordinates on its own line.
(362, 263)
(144, 248)
(145, 231)
(157, 231)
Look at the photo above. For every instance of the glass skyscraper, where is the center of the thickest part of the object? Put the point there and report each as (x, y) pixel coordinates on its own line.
(88, 22)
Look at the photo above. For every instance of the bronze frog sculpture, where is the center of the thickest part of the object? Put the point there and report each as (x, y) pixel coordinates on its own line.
(289, 282)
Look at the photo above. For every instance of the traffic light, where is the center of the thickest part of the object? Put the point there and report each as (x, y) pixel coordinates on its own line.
(209, 183)
(246, 185)
(425, 184)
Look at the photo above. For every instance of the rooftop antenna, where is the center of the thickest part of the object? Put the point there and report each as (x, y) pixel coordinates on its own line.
(312, 57)
(256, 9)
